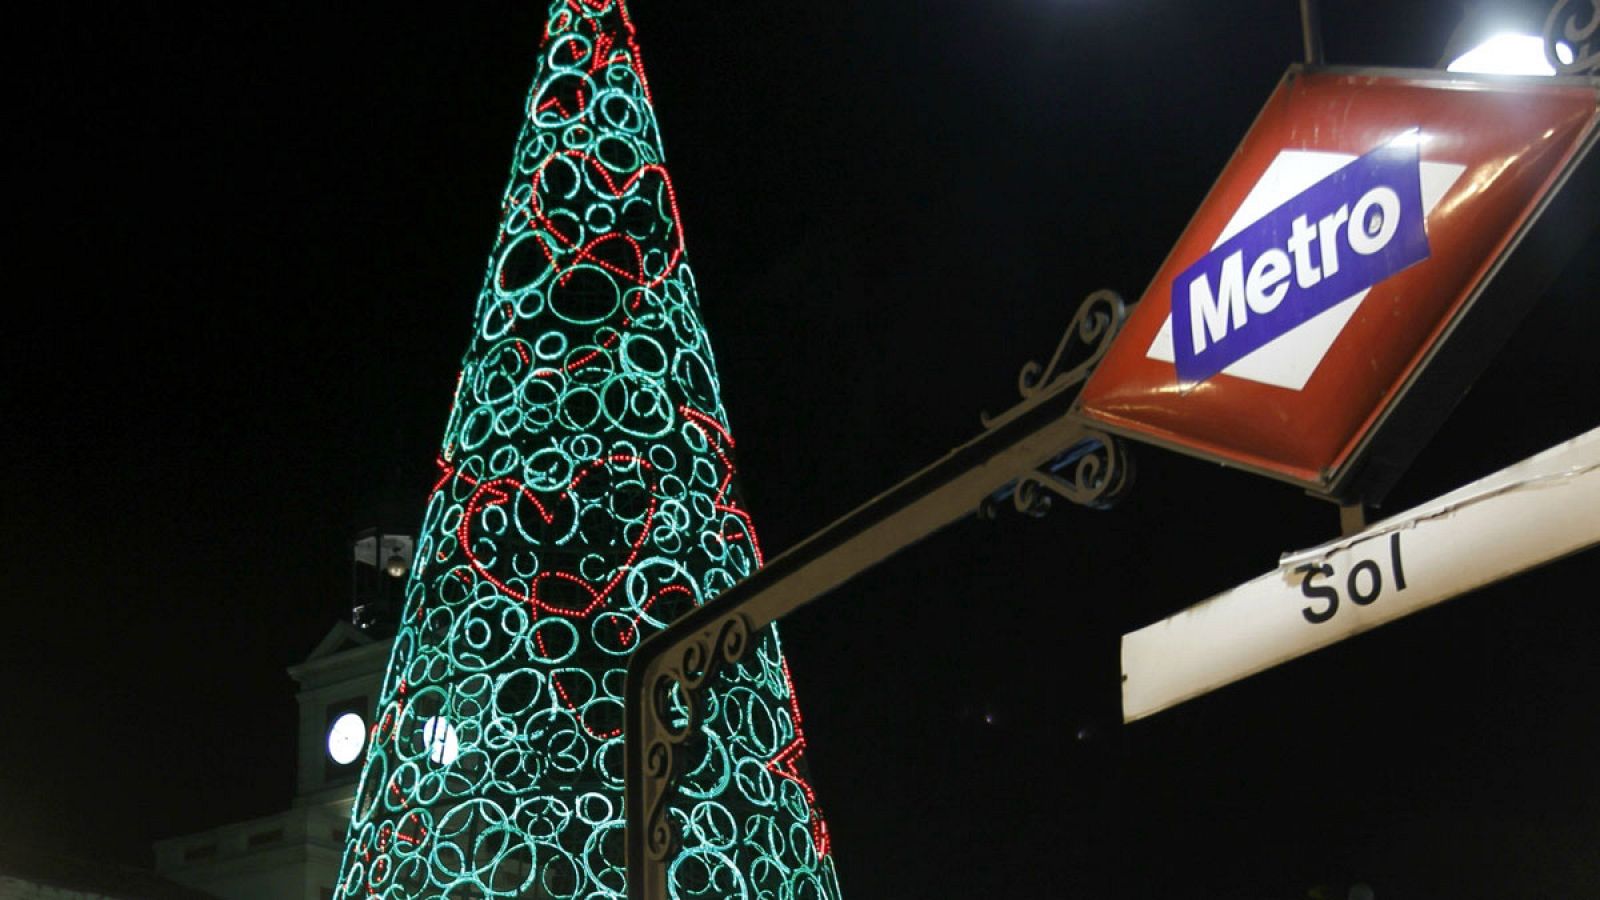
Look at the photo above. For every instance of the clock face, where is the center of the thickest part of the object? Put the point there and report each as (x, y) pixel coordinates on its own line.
(346, 738)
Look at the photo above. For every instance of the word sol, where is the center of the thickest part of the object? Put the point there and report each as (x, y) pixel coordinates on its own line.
(1363, 584)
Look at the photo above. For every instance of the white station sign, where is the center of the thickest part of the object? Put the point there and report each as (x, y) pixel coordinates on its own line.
(1538, 510)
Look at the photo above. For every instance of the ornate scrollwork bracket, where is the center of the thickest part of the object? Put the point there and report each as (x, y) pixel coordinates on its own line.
(1086, 339)
(1574, 26)
(1094, 473)
(1096, 470)
(674, 713)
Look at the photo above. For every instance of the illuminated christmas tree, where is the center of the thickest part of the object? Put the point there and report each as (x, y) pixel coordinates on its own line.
(585, 498)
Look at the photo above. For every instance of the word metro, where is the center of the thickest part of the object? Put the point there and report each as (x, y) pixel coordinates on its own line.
(1337, 238)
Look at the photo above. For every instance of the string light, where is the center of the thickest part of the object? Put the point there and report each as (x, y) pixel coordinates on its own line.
(585, 498)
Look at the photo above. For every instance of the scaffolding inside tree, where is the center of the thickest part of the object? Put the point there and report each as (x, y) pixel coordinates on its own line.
(586, 497)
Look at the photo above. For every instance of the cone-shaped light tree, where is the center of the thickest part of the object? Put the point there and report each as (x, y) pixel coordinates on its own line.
(585, 498)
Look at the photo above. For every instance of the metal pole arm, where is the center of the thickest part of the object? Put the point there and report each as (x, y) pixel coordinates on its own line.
(687, 655)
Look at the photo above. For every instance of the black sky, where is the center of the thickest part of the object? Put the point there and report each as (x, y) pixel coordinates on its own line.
(248, 245)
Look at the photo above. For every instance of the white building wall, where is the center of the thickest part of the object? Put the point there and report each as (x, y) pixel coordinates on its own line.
(12, 888)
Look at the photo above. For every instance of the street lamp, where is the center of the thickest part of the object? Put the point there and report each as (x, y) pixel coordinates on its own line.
(1510, 53)
(1503, 38)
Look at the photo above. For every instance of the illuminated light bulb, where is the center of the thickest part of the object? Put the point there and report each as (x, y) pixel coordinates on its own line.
(1509, 53)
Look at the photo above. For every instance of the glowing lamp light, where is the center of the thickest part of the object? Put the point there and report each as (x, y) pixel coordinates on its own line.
(395, 567)
(440, 736)
(1508, 53)
(346, 738)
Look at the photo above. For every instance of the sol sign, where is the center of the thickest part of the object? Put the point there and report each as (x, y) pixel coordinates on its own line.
(1359, 220)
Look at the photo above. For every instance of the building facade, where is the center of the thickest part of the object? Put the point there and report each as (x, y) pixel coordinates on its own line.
(294, 854)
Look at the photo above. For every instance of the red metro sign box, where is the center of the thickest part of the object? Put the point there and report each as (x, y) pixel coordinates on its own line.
(1299, 322)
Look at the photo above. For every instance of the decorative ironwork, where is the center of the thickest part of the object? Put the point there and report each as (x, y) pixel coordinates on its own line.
(1094, 474)
(678, 714)
(1020, 451)
(1088, 335)
(1575, 25)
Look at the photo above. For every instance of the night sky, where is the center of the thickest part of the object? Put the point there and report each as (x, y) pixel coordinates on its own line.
(250, 244)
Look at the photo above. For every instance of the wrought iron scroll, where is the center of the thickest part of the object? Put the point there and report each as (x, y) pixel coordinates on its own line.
(1096, 471)
(1094, 474)
(676, 713)
(1086, 338)
(1575, 25)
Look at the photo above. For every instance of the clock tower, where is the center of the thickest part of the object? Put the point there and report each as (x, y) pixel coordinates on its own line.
(339, 684)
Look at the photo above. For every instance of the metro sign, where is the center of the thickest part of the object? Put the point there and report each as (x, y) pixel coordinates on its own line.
(1317, 249)
(1356, 225)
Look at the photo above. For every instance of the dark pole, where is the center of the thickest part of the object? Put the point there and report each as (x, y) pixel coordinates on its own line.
(1014, 452)
(1311, 32)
